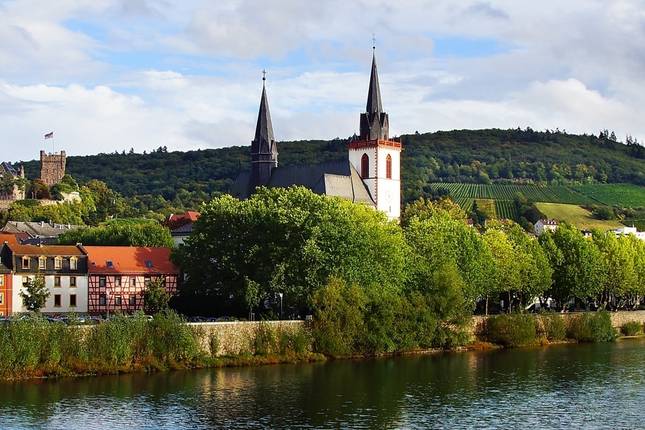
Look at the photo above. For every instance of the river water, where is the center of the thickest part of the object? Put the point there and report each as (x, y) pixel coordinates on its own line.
(567, 386)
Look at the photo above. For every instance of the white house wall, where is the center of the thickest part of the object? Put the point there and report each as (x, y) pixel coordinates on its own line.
(65, 290)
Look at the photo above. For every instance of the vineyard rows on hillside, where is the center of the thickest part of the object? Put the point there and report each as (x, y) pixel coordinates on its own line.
(536, 193)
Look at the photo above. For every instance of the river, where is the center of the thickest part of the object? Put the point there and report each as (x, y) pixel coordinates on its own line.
(566, 386)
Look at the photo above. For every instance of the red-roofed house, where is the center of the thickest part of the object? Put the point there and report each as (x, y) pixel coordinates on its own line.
(119, 275)
(181, 225)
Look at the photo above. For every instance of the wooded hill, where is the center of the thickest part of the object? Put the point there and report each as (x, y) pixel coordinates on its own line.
(475, 156)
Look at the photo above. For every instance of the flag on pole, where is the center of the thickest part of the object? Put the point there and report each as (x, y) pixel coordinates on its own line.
(49, 135)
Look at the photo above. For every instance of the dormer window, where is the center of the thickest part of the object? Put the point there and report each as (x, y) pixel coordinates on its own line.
(58, 263)
(149, 264)
(73, 263)
(42, 263)
(25, 262)
(109, 264)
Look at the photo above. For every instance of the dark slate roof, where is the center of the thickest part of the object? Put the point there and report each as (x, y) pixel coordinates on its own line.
(182, 230)
(337, 178)
(6, 167)
(374, 93)
(38, 229)
(263, 141)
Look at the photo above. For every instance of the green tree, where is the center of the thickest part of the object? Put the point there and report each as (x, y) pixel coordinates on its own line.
(35, 293)
(506, 277)
(618, 259)
(441, 240)
(122, 232)
(423, 209)
(155, 298)
(577, 264)
(288, 241)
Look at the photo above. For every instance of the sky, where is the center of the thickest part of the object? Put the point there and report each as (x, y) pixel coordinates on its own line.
(108, 75)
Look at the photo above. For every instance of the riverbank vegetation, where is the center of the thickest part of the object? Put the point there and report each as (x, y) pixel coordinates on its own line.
(514, 330)
(36, 347)
(375, 286)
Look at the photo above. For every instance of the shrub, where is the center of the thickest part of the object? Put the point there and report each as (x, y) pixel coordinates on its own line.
(591, 327)
(294, 341)
(171, 339)
(338, 325)
(511, 330)
(631, 328)
(213, 344)
(264, 342)
(554, 327)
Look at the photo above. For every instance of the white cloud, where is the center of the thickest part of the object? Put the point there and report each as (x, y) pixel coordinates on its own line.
(576, 65)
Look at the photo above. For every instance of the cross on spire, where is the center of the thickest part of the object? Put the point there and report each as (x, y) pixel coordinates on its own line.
(373, 41)
(264, 75)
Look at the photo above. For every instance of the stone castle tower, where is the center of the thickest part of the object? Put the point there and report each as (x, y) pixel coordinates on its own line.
(52, 167)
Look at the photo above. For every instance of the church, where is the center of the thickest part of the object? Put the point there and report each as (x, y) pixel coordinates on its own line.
(371, 174)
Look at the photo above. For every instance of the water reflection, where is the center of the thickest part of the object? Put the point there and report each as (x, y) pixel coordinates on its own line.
(593, 386)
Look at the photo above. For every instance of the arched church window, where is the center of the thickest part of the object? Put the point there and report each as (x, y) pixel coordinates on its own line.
(388, 166)
(365, 166)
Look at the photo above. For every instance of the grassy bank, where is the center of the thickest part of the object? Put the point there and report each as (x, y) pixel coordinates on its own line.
(35, 347)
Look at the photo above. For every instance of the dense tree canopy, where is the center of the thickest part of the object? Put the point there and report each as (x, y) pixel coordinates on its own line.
(161, 180)
(287, 241)
(121, 233)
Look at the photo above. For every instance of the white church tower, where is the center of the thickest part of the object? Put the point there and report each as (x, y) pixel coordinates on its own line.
(375, 156)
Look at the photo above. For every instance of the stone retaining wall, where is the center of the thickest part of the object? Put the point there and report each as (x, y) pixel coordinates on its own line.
(617, 319)
(235, 338)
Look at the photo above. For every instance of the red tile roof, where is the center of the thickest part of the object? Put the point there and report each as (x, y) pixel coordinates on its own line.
(10, 238)
(177, 220)
(129, 260)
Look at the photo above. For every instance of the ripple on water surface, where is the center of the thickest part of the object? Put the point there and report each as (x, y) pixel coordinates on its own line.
(571, 386)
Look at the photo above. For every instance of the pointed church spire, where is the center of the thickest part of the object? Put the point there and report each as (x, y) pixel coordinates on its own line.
(374, 94)
(264, 127)
(375, 123)
(264, 151)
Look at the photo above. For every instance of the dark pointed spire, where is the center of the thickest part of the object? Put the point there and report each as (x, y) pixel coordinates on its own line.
(374, 122)
(264, 151)
(374, 93)
(264, 127)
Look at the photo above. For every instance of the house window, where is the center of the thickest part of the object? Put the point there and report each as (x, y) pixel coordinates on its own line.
(146, 281)
(56, 281)
(25, 281)
(133, 282)
(102, 281)
(102, 299)
(2, 281)
(133, 300)
(117, 281)
(73, 263)
(57, 300)
(1, 298)
(149, 264)
(25, 262)
(109, 264)
(117, 301)
(72, 281)
(365, 166)
(58, 263)
(388, 166)
(72, 300)
(42, 263)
